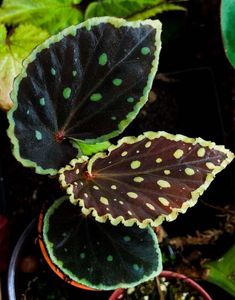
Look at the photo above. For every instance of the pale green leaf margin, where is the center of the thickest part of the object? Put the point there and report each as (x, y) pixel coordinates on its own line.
(131, 140)
(116, 22)
(59, 263)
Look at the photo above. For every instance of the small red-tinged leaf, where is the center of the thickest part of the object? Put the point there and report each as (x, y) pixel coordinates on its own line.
(144, 180)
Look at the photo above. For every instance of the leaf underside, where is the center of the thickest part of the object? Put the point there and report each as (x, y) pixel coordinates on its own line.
(144, 180)
(99, 255)
(87, 84)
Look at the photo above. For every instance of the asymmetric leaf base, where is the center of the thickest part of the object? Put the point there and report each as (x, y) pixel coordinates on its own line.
(85, 84)
(144, 180)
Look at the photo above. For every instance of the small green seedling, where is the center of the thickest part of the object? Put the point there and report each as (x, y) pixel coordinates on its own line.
(78, 90)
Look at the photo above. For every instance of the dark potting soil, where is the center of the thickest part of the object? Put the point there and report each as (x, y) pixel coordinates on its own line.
(195, 90)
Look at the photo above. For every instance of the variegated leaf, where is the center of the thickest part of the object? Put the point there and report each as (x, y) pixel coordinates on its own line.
(145, 179)
(85, 84)
(98, 255)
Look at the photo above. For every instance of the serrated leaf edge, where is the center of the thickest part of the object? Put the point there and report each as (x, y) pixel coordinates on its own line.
(131, 140)
(117, 22)
(70, 167)
(59, 264)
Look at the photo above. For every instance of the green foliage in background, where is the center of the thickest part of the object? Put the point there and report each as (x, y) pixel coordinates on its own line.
(222, 271)
(14, 47)
(228, 28)
(52, 15)
(132, 10)
(26, 23)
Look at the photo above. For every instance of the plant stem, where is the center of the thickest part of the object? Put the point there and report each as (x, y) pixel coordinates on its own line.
(160, 293)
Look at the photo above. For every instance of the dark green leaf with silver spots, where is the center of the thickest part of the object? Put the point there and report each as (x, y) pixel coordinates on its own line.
(99, 255)
(87, 84)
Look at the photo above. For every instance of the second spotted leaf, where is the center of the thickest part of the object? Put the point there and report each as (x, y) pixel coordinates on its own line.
(144, 180)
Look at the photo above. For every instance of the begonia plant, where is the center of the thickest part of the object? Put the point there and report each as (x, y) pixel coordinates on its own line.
(25, 24)
(77, 91)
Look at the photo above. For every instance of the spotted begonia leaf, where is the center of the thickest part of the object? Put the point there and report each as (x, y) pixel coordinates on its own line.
(85, 84)
(98, 255)
(144, 180)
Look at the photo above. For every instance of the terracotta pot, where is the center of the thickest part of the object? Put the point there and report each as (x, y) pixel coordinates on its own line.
(118, 294)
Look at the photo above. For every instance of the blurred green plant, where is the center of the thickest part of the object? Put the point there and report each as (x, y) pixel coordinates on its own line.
(51, 15)
(228, 28)
(131, 9)
(14, 47)
(222, 271)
